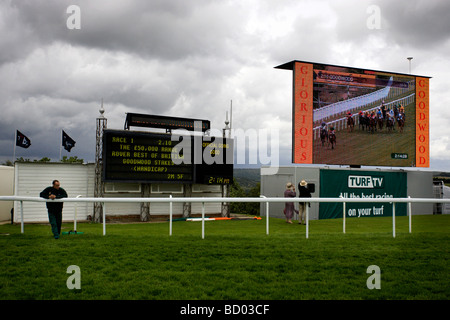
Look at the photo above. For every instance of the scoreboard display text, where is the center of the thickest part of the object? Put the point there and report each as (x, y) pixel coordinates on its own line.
(154, 157)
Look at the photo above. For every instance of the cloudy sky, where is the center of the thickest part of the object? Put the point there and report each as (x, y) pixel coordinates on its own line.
(191, 58)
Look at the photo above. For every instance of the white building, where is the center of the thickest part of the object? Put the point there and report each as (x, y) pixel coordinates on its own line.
(6, 189)
(78, 179)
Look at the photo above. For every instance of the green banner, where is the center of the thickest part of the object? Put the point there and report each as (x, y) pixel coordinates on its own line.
(362, 184)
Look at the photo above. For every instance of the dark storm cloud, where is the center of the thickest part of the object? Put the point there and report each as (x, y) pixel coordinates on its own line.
(140, 56)
(418, 23)
(166, 30)
(190, 58)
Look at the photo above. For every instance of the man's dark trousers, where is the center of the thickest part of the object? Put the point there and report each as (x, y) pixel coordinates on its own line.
(55, 218)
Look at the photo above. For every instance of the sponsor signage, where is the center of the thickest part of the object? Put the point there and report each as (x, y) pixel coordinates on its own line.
(363, 184)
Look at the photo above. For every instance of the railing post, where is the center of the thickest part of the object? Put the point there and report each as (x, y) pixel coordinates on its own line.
(75, 215)
(21, 216)
(343, 214)
(307, 219)
(267, 214)
(409, 214)
(393, 219)
(104, 217)
(170, 216)
(203, 220)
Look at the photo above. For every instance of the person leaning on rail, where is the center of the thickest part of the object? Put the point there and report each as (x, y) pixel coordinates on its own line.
(54, 208)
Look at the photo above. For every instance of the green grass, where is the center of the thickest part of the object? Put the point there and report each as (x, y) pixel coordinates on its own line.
(236, 260)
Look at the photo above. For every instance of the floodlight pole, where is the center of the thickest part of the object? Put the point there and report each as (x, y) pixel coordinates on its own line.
(226, 133)
(409, 58)
(99, 186)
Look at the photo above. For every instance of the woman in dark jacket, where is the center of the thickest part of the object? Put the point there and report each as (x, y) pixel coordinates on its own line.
(303, 193)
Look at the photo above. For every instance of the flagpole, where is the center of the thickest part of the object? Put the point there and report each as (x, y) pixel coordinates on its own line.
(14, 153)
(60, 145)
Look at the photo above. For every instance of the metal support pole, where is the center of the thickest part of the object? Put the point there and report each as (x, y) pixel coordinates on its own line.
(393, 219)
(409, 214)
(307, 220)
(104, 218)
(75, 219)
(203, 220)
(170, 216)
(343, 216)
(21, 216)
(75, 215)
(267, 214)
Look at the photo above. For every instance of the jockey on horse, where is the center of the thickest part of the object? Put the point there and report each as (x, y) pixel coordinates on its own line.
(332, 137)
(350, 121)
(401, 121)
(380, 119)
(323, 132)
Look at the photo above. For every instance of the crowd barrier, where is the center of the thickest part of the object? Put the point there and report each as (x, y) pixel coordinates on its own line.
(261, 199)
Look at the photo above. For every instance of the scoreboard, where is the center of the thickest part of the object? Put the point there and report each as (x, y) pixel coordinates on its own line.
(153, 157)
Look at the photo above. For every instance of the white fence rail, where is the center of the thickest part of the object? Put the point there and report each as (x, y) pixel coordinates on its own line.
(262, 199)
(351, 104)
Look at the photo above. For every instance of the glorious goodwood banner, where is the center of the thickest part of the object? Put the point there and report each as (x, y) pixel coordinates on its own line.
(362, 184)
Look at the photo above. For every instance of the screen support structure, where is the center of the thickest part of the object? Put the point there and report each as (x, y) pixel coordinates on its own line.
(226, 132)
(99, 187)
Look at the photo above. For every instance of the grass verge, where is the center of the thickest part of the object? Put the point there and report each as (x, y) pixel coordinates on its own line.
(236, 260)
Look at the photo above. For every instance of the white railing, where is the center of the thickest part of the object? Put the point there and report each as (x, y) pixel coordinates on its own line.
(261, 199)
(360, 101)
(350, 104)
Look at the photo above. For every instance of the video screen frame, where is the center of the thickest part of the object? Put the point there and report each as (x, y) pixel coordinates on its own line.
(352, 116)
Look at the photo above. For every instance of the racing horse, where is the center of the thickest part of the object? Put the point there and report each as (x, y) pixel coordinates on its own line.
(362, 121)
(390, 123)
(332, 139)
(372, 124)
(380, 122)
(401, 121)
(350, 123)
(323, 136)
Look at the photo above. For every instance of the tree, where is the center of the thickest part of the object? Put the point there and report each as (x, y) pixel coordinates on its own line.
(8, 163)
(71, 159)
(236, 191)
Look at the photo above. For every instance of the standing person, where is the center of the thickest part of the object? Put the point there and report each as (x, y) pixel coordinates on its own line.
(54, 208)
(303, 193)
(289, 206)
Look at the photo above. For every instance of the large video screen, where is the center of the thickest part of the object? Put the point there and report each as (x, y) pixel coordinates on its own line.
(352, 116)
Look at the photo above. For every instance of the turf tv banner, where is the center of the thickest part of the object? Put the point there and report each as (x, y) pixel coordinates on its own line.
(362, 184)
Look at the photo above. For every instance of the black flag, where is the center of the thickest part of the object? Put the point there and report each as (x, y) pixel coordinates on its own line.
(67, 142)
(22, 140)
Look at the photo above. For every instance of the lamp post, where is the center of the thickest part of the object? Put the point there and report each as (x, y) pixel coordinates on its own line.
(409, 58)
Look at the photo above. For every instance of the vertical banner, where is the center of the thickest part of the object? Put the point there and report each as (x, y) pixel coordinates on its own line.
(302, 135)
(362, 184)
(422, 122)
